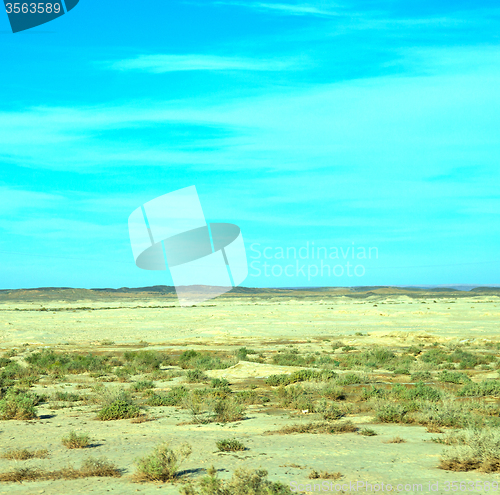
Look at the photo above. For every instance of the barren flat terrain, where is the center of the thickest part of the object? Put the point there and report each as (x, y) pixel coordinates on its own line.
(330, 386)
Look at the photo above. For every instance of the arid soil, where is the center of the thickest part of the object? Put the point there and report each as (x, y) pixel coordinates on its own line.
(303, 322)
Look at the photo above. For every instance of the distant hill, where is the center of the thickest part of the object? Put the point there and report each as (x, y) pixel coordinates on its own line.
(168, 293)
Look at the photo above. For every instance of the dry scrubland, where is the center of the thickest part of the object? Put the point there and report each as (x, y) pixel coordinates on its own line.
(126, 392)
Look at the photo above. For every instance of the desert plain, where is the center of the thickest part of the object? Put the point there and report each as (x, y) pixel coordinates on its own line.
(323, 389)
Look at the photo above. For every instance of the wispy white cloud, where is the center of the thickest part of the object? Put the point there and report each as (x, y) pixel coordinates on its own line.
(446, 116)
(162, 63)
(285, 8)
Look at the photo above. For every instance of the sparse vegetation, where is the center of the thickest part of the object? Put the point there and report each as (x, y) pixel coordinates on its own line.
(324, 475)
(90, 467)
(119, 409)
(293, 358)
(145, 361)
(392, 413)
(76, 440)
(163, 463)
(228, 410)
(482, 389)
(142, 385)
(243, 352)
(367, 432)
(434, 384)
(66, 396)
(473, 449)
(18, 404)
(196, 376)
(317, 427)
(25, 454)
(50, 362)
(396, 439)
(453, 377)
(230, 445)
(173, 397)
(205, 361)
(219, 383)
(243, 482)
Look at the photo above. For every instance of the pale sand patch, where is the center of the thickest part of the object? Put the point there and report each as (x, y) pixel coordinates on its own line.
(245, 369)
(228, 320)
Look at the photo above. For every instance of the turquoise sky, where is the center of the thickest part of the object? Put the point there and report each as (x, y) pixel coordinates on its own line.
(368, 122)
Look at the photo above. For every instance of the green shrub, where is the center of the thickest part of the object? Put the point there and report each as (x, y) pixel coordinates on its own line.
(230, 445)
(76, 441)
(453, 377)
(243, 482)
(187, 356)
(243, 352)
(333, 391)
(372, 392)
(276, 380)
(464, 359)
(194, 359)
(119, 409)
(415, 350)
(318, 427)
(421, 376)
(66, 396)
(374, 358)
(13, 372)
(468, 360)
(301, 376)
(18, 404)
(146, 361)
(249, 397)
(173, 397)
(163, 463)
(107, 395)
(142, 385)
(292, 359)
(482, 389)
(350, 379)
(219, 392)
(219, 383)
(196, 376)
(367, 432)
(348, 348)
(295, 397)
(311, 375)
(402, 371)
(326, 362)
(57, 363)
(392, 413)
(419, 391)
(199, 406)
(449, 414)
(228, 410)
(329, 411)
(473, 449)
(434, 356)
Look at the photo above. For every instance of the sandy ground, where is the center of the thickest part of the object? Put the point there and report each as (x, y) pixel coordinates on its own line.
(235, 319)
(224, 323)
